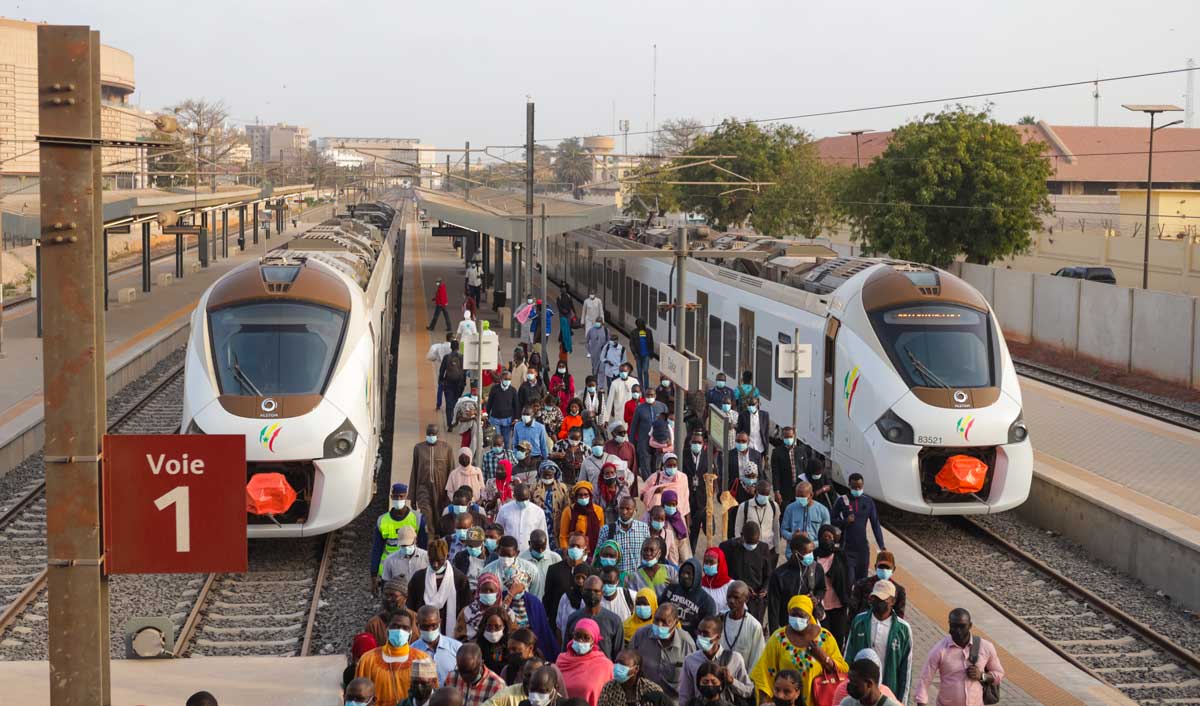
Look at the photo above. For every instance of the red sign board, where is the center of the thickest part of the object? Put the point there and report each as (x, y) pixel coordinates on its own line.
(174, 503)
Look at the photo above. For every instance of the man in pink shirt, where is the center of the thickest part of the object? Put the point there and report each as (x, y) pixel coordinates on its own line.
(962, 678)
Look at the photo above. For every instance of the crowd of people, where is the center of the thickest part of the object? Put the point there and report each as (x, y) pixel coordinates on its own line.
(564, 557)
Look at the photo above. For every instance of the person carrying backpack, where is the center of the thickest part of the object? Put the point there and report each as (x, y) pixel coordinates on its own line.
(643, 348)
(453, 378)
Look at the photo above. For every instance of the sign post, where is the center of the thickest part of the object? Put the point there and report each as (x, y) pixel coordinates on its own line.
(174, 503)
(481, 351)
(795, 362)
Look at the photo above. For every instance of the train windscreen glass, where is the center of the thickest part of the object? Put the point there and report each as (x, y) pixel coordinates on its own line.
(938, 345)
(275, 348)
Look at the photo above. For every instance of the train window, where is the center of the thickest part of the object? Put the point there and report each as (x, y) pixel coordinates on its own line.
(662, 310)
(764, 356)
(628, 294)
(729, 350)
(276, 348)
(938, 345)
(689, 331)
(714, 342)
(652, 306)
(785, 383)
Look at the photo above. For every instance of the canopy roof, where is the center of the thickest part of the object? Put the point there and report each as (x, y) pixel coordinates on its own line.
(502, 213)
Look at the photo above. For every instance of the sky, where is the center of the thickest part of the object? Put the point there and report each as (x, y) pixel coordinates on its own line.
(451, 71)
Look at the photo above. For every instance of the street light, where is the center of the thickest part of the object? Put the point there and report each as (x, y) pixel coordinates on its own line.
(857, 154)
(1151, 110)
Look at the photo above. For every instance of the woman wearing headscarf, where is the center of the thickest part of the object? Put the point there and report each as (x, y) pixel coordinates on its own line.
(613, 484)
(689, 597)
(465, 474)
(652, 573)
(440, 585)
(498, 490)
(609, 554)
(487, 594)
(802, 645)
(362, 644)
(584, 666)
(562, 385)
(670, 478)
(553, 496)
(494, 629)
(716, 576)
(582, 515)
(644, 606)
(526, 610)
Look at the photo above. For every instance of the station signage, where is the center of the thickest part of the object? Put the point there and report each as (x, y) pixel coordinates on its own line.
(680, 367)
(174, 503)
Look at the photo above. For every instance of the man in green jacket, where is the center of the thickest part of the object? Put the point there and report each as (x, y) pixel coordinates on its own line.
(888, 634)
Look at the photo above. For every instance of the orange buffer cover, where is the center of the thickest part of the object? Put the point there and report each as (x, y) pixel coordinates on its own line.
(962, 474)
(269, 494)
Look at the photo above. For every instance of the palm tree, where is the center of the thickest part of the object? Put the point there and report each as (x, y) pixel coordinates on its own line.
(572, 164)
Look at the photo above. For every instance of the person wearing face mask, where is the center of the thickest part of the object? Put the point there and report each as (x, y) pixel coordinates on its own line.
(593, 311)
(628, 685)
(640, 427)
(431, 464)
(852, 513)
(689, 597)
(434, 355)
(424, 680)
(799, 575)
(394, 600)
(964, 665)
(836, 600)
(885, 568)
(756, 422)
(533, 432)
(511, 569)
(746, 392)
(669, 478)
(613, 359)
(619, 445)
(560, 577)
(712, 686)
(492, 637)
(595, 337)
(889, 635)
(387, 528)
(823, 490)
(540, 555)
(642, 341)
(664, 531)
(441, 300)
(522, 663)
(787, 467)
(490, 463)
(466, 410)
(627, 532)
(592, 397)
(572, 419)
(843, 688)
(527, 463)
(389, 667)
(635, 400)
(720, 393)
(359, 692)
(620, 391)
(473, 557)
(407, 560)
(520, 516)
(663, 646)
(440, 585)
(645, 602)
(562, 384)
(751, 562)
(582, 515)
(442, 648)
(465, 473)
(652, 572)
(545, 690)
(742, 632)
(696, 464)
(552, 497)
(584, 665)
(461, 503)
(569, 453)
(458, 537)
(716, 578)
(803, 516)
(709, 650)
(473, 680)
(763, 510)
(864, 687)
(525, 610)
(744, 465)
(802, 645)
(532, 388)
(566, 313)
(502, 406)
(614, 485)
(610, 626)
(616, 599)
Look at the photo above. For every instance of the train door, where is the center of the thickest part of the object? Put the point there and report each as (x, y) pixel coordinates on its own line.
(745, 342)
(829, 355)
(623, 297)
(701, 327)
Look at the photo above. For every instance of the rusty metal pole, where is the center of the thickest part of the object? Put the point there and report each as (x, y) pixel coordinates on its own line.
(69, 123)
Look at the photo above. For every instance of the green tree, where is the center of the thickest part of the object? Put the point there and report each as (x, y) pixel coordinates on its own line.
(645, 189)
(803, 198)
(952, 183)
(572, 163)
(1027, 120)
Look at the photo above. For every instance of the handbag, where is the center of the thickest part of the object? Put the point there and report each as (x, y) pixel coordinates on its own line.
(824, 686)
(991, 690)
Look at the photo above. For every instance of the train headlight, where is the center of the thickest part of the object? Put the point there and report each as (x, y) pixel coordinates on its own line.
(1017, 431)
(341, 442)
(894, 429)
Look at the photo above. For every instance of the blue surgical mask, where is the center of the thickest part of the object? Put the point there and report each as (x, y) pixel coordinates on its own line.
(428, 636)
(607, 561)
(670, 510)
(527, 418)
(669, 471)
(697, 448)
(574, 553)
(725, 407)
(623, 375)
(797, 623)
(583, 502)
(856, 492)
(742, 446)
(581, 648)
(519, 454)
(710, 569)
(762, 499)
(610, 589)
(802, 502)
(521, 504)
(749, 547)
(431, 439)
(621, 672)
(704, 642)
(657, 524)
(475, 551)
(720, 383)
(536, 554)
(591, 388)
(505, 384)
(491, 544)
(597, 451)
(397, 637)
(752, 408)
(458, 509)
(661, 632)
(884, 574)
(461, 534)
(643, 611)
(488, 598)
(807, 559)
(789, 441)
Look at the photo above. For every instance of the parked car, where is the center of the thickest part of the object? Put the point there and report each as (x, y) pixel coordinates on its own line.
(1103, 275)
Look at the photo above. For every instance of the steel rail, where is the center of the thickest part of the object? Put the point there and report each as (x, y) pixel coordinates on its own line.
(322, 573)
(183, 641)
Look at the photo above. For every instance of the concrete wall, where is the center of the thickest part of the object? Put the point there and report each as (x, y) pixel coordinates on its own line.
(980, 277)
(1056, 312)
(1105, 317)
(1013, 302)
(1163, 335)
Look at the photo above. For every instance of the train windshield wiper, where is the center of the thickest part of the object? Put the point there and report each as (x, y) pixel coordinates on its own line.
(241, 376)
(929, 376)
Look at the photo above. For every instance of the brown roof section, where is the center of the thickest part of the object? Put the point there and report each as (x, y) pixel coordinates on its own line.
(1076, 152)
(312, 284)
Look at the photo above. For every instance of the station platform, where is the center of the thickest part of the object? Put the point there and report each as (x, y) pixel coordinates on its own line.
(132, 329)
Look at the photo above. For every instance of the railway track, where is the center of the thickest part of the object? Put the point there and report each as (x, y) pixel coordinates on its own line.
(270, 610)
(1087, 630)
(1111, 394)
(23, 525)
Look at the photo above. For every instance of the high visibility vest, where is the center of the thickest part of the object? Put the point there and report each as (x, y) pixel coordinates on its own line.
(389, 529)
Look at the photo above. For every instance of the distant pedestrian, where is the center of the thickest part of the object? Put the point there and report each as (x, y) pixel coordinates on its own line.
(452, 377)
(852, 514)
(475, 279)
(440, 301)
(836, 600)
(643, 348)
(787, 468)
(613, 358)
(593, 311)
(566, 313)
(431, 463)
(436, 353)
(502, 407)
(966, 665)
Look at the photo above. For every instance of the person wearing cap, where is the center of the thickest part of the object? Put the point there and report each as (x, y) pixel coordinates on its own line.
(423, 680)
(669, 478)
(386, 541)
(841, 692)
(393, 599)
(407, 560)
(885, 568)
(431, 463)
(888, 634)
(474, 556)
(520, 516)
(614, 484)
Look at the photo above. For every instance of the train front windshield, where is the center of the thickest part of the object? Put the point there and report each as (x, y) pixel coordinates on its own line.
(942, 345)
(275, 348)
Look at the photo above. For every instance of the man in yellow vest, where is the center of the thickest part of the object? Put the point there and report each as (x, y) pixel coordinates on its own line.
(387, 531)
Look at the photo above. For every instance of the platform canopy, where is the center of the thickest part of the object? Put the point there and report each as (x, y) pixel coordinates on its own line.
(501, 213)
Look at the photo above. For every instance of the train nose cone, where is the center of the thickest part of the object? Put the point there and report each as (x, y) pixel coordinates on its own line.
(269, 494)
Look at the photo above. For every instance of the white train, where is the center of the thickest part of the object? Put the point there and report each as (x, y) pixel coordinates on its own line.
(909, 366)
(292, 352)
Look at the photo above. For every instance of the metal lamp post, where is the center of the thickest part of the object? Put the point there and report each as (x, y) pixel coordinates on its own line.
(857, 153)
(1151, 110)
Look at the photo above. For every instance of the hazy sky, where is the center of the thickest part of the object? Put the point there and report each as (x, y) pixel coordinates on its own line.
(450, 71)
